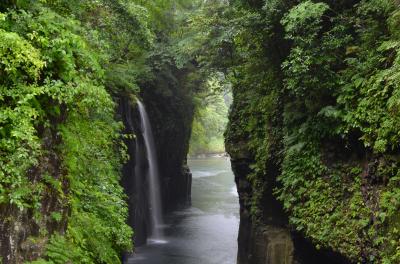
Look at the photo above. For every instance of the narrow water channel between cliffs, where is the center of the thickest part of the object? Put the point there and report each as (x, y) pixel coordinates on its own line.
(206, 232)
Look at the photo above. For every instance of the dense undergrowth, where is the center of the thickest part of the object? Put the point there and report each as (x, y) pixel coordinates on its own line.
(316, 108)
(53, 90)
(63, 66)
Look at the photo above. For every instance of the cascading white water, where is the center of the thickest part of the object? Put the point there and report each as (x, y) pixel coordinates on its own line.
(153, 175)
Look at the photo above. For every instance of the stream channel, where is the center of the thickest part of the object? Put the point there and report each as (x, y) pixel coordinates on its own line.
(206, 232)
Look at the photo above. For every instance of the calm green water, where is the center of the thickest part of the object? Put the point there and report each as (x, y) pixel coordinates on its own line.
(207, 232)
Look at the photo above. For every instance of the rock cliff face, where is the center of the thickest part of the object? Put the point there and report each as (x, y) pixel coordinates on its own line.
(19, 230)
(134, 185)
(171, 114)
(265, 236)
(312, 127)
(170, 111)
(260, 243)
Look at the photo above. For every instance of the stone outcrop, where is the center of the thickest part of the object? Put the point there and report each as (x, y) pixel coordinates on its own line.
(170, 111)
(265, 238)
(270, 240)
(261, 242)
(23, 236)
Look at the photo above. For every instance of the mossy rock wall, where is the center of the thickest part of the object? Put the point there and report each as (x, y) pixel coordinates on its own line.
(315, 124)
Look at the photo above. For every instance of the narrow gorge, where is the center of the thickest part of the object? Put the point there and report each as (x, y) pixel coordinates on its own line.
(200, 131)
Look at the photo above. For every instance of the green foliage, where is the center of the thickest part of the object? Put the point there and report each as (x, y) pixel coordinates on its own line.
(52, 88)
(59, 251)
(350, 98)
(210, 120)
(316, 113)
(98, 211)
(304, 21)
(19, 144)
(62, 63)
(21, 61)
(372, 87)
(325, 203)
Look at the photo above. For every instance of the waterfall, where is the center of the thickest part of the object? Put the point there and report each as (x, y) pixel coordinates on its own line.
(152, 174)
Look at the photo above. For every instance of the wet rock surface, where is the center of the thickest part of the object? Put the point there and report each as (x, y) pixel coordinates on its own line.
(170, 111)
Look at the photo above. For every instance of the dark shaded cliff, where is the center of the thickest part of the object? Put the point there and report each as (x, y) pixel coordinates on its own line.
(265, 236)
(170, 110)
(313, 131)
(69, 71)
(170, 105)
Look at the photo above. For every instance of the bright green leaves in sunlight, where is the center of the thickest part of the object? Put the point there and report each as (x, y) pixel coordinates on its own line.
(21, 62)
(59, 138)
(20, 65)
(63, 65)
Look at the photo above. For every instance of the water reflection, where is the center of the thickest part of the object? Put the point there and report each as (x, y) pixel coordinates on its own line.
(206, 233)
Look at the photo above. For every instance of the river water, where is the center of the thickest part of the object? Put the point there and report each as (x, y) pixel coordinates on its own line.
(205, 233)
